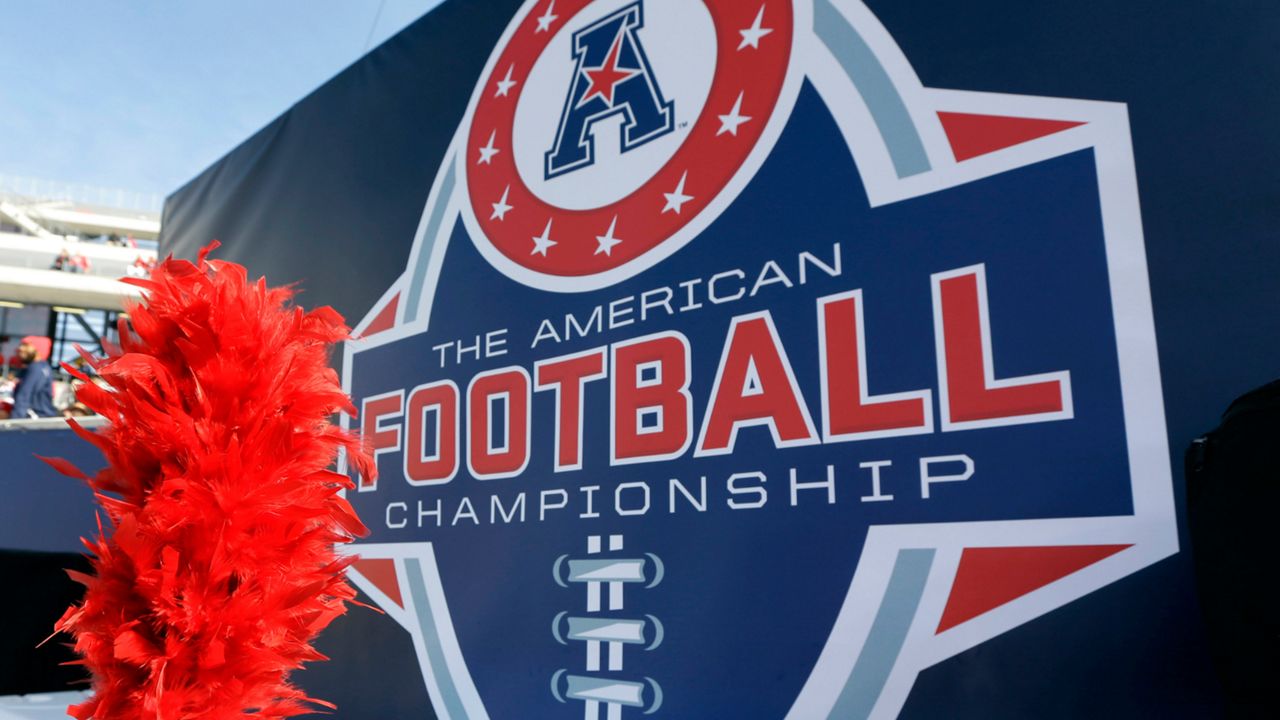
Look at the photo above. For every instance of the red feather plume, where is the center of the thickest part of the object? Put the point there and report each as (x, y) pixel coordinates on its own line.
(220, 569)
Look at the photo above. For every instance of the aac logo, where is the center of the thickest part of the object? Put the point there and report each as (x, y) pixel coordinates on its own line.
(612, 76)
(710, 296)
(591, 209)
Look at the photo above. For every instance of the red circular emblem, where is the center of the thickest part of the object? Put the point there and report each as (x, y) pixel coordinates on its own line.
(753, 42)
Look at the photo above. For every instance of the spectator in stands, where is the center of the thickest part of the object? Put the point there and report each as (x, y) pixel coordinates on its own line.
(139, 269)
(77, 409)
(34, 395)
(81, 264)
(63, 261)
(7, 383)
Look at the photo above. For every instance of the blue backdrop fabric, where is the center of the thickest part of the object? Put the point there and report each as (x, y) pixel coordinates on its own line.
(329, 194)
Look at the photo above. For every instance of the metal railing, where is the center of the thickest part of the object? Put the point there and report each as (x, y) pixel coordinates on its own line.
(40, 189)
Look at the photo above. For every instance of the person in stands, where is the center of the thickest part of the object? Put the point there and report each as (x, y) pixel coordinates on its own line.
(139, 269)
(62, 262)
(34, 395)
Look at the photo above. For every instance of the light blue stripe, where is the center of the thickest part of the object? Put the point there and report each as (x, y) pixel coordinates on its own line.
(419, 278)
(887, 108)
(624, 631)
(436, 664)
(622, 692)
(623, 570)
(888, 631)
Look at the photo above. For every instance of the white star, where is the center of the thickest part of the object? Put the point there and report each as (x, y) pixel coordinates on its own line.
(729, 123)
(677, 197)
(542, 242)
(751, 36)
(506, 83)
(607, 241)
(545, 20)
(501, 207)
(488, 151)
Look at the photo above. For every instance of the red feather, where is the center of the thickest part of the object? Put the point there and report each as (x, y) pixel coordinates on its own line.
(221, 568)
(64, 467)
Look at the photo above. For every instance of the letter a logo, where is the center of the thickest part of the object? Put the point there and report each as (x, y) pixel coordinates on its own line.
(611, 76)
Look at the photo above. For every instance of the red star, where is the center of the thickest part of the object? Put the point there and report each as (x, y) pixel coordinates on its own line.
(602, 80)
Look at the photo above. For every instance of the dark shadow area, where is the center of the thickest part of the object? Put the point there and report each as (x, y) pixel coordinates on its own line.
(39, 591)
(1233, 489)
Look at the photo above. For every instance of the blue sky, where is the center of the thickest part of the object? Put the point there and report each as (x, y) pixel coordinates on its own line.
(144, 94)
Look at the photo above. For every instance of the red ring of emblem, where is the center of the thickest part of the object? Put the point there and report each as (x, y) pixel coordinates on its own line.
(705, 161)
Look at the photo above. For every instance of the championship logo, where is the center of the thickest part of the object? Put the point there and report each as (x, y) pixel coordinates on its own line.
(734, 374)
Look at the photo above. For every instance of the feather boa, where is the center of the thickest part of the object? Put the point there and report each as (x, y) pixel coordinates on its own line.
(220, 569)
